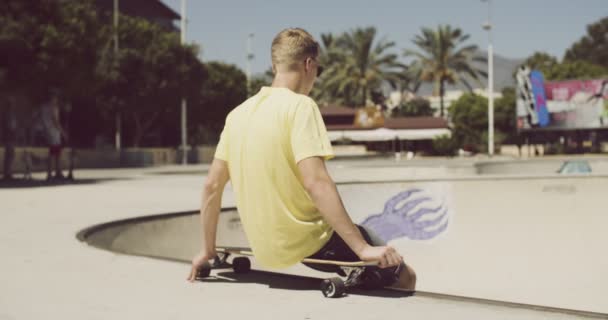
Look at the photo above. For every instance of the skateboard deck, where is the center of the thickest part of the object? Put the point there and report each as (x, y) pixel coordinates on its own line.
(357, 273)
(248, 252)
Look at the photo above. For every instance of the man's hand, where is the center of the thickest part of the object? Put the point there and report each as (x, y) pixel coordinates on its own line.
(197, 263)
(386, 256)
(210, 212)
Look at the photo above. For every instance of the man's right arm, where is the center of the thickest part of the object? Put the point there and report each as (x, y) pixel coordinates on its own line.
(324, 194)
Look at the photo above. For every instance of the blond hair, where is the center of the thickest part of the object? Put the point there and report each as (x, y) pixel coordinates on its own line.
(291, 46)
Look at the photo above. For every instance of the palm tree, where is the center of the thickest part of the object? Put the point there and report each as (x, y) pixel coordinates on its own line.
(329, 56)
(441, 59)
(356, 66)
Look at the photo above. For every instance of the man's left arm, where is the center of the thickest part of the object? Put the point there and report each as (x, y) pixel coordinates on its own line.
(210, 211)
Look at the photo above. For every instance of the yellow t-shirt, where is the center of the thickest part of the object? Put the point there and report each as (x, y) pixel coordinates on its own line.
(263, 140)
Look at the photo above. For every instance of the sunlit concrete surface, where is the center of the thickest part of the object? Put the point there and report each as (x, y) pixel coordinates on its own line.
(531, 241)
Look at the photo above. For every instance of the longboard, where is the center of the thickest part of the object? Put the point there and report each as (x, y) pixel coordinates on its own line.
(248, 252)
(357, 273)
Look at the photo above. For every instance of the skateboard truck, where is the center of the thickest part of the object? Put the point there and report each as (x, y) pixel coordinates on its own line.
(336, 287)
(239, 264)
(355, 277)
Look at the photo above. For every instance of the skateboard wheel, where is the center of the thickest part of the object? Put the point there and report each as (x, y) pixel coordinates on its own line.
(333, 288)
(371, 279)
(204, 271)
(241, 265)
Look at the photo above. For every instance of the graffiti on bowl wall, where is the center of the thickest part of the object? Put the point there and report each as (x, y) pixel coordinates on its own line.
(415, 214)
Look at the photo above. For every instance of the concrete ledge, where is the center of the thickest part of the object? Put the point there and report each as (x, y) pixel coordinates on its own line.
(108, 158)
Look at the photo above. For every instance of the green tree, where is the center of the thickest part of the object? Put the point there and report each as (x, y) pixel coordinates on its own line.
(541, 61)
(442, 58)
(17, 60)
(331, 55)
(469, 117)
(417, 107)
(445, 146)
(553, 70)
(593, 47)
(45, 45)
(356, 65)
(225, 89)
(260, 80)
(149, 76)
(411, 78)
(51, 45)
(21, 32)
(575, 70)
(504, 114)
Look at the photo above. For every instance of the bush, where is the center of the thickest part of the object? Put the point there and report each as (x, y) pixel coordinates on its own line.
(445, 146)
(499, 139)
(204, 135)
(417, 107)
(469, 117)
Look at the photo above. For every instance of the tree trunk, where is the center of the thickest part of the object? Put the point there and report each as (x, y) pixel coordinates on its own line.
(441, 94)
(9, 156)
(138, 131)
(142, 128)
(364, 104)
(8, 128)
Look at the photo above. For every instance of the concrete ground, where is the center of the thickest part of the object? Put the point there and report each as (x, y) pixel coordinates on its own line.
(48, 273)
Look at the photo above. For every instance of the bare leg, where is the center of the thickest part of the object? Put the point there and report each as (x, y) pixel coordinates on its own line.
(71, 165)
(58, 172)
(407, 279)
(9, 156)
(407, 276)
(49, 167)
(28, 165)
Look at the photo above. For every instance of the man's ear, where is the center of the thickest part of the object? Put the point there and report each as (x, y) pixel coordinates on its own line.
(274, 69)
(308, 64)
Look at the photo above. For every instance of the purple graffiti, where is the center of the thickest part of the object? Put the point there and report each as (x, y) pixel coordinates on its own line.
(404, 221)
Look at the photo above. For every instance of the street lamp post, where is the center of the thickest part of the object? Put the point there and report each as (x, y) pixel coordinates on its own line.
(117, 137)
(184, 118)
(488, 27)
(249, 59)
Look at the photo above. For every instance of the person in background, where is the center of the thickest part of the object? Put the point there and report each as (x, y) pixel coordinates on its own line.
(55, 135)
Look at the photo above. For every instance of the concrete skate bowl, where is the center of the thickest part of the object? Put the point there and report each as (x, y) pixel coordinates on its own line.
(174, 236)
(534, 242)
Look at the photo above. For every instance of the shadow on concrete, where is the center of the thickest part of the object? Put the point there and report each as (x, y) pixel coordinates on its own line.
(183, 172)
(36, 183)
(293, 283)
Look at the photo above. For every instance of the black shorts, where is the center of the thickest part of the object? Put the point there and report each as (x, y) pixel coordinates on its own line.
(336, 249)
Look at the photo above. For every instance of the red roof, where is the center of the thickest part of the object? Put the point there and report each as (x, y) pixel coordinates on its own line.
(335, 110)
(337, 127)
(400, 123)
(416, 123)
